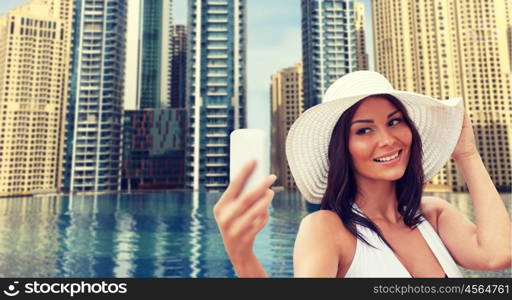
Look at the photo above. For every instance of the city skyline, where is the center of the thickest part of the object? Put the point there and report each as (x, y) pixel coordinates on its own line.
(266, 53)
(436, 69)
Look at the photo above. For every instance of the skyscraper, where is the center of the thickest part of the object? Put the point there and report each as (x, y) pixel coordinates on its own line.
(451, 49)
(215, 88)
(65, 9)
(328, 45)
(34, 52)
(362, 56)
(93, 139)
(148, 53)
(287, 105)
(178, 66)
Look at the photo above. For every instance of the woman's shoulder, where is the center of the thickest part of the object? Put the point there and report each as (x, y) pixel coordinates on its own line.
(431, 207)
(323, 221)
(325, 226)
(323, 245)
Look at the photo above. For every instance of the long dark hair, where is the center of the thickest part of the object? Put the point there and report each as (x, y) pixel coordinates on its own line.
(341, 188)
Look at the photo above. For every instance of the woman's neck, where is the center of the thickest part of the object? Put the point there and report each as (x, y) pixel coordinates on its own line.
(377, 199)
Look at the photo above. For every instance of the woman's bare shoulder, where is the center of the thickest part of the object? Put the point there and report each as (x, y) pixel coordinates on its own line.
(430, 207)
(323, 220)
(325, 226)
(323, 247)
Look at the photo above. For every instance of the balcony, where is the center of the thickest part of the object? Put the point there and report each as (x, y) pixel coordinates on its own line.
(217, 56)
(216, 185)
(216, 125)
(217, 145)
(217, 66)
(216, 93)
(216, 154)
(223, 20)
(217, 12)
(217, 38)
(216, 47)
(216, 135)
(87, 129)
(213, 106)
(217, 174)
(209, 29)
(218, 84)
(216, 116)
(217, 165)
(85, 168)
(216, 75)
(218, 3)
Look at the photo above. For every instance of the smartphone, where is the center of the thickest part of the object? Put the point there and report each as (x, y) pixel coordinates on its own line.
(247, 144)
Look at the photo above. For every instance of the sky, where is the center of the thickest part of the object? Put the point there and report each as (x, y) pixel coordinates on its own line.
(6, 5)
(273, 43)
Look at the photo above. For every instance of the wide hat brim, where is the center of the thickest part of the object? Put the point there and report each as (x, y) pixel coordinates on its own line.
(439, 124)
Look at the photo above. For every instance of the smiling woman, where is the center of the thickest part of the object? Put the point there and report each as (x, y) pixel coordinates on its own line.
(364, 154)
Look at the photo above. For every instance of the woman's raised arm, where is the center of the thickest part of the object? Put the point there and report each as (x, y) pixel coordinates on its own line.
(486, 246)
(240, 215)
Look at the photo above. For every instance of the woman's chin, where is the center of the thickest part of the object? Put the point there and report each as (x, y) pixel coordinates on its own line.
(391, 175)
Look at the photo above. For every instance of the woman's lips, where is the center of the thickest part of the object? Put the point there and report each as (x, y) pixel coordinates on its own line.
(392, 161)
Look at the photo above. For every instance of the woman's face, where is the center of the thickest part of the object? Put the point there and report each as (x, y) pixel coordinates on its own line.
(379, 140)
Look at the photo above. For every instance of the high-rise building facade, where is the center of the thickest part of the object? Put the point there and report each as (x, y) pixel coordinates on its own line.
(362, 56)
(178, 66)
(287, 105)
(328, 45)
(148, 53)
(34, 60)
(65, 9)
(94, 119)
(154, 149)
(448, 49)
(215, 88)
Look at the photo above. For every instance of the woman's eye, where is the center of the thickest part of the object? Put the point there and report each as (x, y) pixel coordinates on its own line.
(395, 121)
(362, 131)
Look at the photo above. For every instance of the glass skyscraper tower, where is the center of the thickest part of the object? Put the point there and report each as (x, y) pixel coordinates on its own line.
(328, 45)
(215, 88)
(155, 35)
(93, 133)
(148, 54)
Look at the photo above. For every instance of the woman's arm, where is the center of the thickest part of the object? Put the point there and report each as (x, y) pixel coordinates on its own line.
(240, 216)
(486, 246)
(492, 220)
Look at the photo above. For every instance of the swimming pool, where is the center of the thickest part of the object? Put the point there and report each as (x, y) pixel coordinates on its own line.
(171, 234)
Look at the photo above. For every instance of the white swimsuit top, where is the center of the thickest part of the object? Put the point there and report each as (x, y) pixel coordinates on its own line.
(382, 262)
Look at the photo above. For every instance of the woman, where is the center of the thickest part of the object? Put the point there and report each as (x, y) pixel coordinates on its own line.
(364, 155)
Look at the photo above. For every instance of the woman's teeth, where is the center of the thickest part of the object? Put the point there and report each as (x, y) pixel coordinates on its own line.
(387, 158)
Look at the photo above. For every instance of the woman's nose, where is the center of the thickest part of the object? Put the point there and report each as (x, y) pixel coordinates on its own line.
(386, 138)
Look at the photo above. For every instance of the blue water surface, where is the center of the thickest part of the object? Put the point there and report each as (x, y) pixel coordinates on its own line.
(159, 234)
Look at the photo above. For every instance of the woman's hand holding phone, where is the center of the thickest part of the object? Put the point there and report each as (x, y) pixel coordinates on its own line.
(240, 214)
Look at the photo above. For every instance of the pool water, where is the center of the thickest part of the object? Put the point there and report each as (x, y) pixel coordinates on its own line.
(167, 234)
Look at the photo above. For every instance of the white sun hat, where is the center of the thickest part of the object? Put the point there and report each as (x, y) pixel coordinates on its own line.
(439, 124)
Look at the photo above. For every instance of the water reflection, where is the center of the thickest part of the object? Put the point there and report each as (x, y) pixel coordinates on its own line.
(146, 235)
